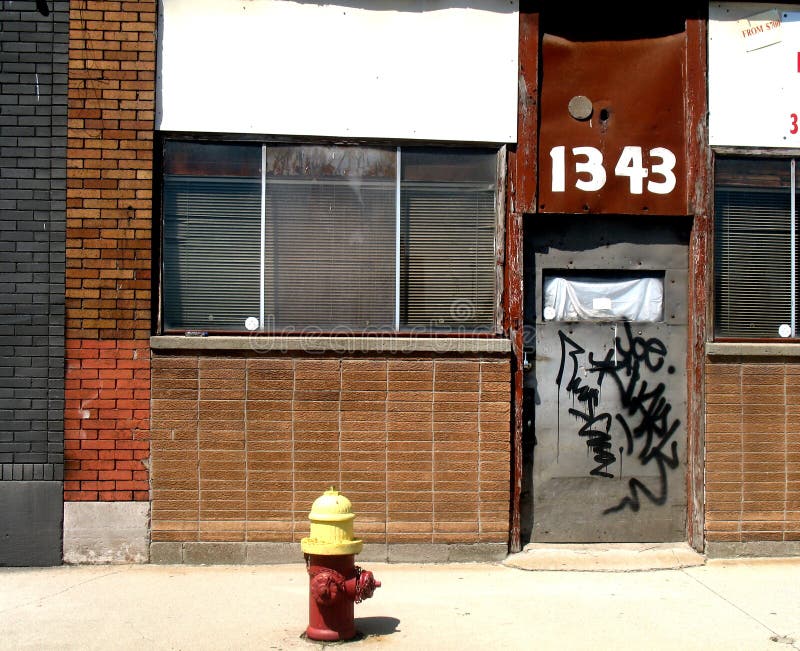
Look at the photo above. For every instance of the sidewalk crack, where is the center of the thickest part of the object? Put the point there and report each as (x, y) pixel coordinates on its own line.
(776, 637)
(39, 600)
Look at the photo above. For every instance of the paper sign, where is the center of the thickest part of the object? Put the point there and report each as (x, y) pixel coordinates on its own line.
(753, 94)
(601, 303)
(761, 30)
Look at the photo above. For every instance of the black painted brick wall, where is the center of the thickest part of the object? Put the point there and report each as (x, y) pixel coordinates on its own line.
(33, 131)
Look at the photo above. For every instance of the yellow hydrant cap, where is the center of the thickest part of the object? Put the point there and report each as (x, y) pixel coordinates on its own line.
(331, 505)
(331, 526)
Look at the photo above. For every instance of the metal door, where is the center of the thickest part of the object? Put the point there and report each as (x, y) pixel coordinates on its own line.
(605, 390)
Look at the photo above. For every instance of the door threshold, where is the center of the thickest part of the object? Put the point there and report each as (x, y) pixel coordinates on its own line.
(605, 557)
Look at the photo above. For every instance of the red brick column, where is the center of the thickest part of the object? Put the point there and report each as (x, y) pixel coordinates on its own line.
(108, 252)
(107, 422)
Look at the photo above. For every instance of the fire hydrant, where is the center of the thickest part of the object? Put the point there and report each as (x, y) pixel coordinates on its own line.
(335, 582)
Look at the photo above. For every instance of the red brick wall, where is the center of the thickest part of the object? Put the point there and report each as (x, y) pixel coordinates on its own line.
(106, 431)
(752, 452)
(111, 99)
(241, 447)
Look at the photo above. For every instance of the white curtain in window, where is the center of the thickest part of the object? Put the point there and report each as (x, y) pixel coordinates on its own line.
(603, 299)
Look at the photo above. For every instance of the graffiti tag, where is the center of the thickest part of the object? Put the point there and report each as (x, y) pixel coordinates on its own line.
(645, 419)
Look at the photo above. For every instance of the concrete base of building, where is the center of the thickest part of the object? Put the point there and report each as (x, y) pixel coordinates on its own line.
(760, 548)
(268, 553)
(106, 532)
(30, 523)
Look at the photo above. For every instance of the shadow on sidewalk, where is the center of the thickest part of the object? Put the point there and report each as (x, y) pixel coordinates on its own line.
(369, 626)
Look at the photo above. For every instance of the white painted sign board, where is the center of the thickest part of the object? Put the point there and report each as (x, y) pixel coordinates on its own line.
(418, 69)
(754, 75)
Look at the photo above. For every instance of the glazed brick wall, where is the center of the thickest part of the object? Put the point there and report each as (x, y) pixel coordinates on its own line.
(108, 248)
(33, 131)
(241, 447)
(752, 451)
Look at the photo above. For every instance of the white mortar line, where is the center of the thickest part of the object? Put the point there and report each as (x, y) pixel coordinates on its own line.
(433, 452)
(480, 396)
(292, 416)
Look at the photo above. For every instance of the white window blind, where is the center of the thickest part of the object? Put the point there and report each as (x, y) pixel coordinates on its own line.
(754, 253)
(211, 238)
(319, 228)
(447, 242)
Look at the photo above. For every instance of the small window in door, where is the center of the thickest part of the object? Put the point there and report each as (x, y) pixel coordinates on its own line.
(603, 296)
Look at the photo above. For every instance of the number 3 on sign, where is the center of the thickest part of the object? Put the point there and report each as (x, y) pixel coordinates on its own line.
(629, 164)
(793, 129)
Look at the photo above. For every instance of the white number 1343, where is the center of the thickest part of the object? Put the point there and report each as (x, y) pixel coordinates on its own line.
(592, 174)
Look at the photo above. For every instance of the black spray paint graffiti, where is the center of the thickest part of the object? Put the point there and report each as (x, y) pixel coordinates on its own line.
(596, 426)
(646, 413)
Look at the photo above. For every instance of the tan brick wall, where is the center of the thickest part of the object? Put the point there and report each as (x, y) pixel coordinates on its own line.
(241, 447)
(111, 110)
(752, 452)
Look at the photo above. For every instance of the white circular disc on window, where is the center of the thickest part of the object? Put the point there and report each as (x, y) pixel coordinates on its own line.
(785, 330)
(549, 313)
(251, 323)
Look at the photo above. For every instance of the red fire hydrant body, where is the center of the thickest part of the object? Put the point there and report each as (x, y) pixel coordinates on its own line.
(336, 583)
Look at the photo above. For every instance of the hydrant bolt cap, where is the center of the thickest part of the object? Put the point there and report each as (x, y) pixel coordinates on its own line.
(331, 505)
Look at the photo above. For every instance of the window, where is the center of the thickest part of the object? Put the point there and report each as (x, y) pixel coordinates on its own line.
(755, 257)
(292, 238)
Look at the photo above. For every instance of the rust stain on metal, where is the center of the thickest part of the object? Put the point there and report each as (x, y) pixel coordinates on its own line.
(637, 92)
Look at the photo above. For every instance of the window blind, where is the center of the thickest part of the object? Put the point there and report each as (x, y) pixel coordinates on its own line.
(447, 255)
(752, 275)
(330, 254)
(211, 252)
(322, 230)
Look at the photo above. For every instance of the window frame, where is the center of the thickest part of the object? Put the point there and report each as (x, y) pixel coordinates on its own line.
(158, 230)
(765, 153)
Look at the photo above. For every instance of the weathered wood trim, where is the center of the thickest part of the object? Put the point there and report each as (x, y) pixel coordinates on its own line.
(511, 318)
(500, 236)
(522, 170)
(528, 112)
(778, 152)
(515, 333)
(699, 261)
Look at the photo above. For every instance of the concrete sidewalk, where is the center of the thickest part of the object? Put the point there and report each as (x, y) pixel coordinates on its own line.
(727, 605)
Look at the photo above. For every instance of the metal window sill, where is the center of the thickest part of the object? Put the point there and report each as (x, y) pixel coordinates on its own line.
(322, 344)
(714, 349)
